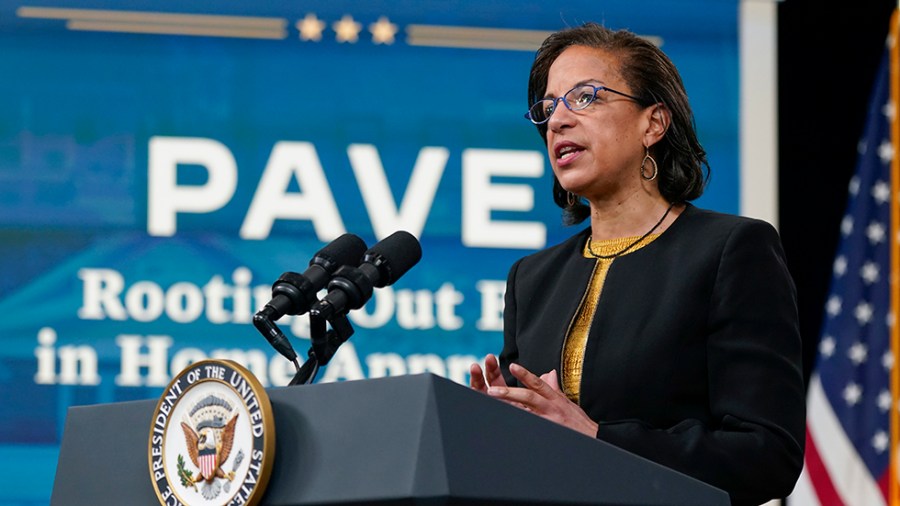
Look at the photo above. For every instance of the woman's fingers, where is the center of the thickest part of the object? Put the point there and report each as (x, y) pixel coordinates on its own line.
(551, 379)
(542, 396)
(476, 378)
(482, 378)
(531, 397)
(492, 371)
(532, 382)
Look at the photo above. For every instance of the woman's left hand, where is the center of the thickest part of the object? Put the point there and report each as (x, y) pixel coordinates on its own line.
(542, 396)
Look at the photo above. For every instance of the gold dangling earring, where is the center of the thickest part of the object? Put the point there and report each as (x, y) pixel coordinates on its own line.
(571, 199)
(644, 162)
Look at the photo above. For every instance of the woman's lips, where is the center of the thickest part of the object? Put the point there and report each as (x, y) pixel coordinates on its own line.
(567, 153)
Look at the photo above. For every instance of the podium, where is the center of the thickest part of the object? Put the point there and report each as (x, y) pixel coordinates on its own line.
(417, 439)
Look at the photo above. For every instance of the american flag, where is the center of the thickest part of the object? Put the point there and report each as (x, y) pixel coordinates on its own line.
(849, 400)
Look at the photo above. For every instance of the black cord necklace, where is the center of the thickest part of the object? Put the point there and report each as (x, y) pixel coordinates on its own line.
(632, 245)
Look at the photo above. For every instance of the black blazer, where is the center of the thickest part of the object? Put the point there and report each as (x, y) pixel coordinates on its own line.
(693, 358)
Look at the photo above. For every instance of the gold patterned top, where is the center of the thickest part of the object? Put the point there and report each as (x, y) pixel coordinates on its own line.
(576, 338)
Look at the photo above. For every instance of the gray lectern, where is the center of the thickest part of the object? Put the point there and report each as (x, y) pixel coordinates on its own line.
(418, 439)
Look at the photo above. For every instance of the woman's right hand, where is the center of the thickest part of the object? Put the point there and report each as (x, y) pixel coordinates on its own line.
(480, 379)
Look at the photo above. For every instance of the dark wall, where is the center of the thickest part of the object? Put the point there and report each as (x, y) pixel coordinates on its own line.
(828, 58)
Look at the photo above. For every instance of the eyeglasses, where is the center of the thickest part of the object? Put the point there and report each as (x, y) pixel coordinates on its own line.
(575, 99)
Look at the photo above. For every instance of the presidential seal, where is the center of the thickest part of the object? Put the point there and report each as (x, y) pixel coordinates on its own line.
(212, 438)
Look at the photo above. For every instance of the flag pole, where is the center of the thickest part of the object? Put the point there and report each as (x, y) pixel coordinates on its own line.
(894, 32)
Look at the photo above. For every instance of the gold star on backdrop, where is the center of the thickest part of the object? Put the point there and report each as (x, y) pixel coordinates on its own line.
(311, 27)
(383, 31)
(347, 30)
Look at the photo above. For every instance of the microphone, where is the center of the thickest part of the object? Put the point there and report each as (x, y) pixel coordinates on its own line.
(381, 265)
(294, 294)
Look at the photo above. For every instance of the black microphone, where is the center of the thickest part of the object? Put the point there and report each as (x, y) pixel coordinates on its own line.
(381, 265)
(294, 294)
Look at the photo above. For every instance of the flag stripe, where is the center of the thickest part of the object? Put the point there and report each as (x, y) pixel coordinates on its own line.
(804, 494)
(848, 473)
(821, 486)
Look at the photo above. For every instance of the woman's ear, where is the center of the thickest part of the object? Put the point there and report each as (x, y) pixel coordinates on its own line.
(660, 118)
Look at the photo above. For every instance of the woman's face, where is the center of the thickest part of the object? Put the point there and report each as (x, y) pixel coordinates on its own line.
(595, 152)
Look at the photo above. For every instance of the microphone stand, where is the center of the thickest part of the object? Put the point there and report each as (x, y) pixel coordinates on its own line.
(324, 345)
(325, 342)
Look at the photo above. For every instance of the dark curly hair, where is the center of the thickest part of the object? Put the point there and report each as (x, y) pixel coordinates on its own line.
(683, 168)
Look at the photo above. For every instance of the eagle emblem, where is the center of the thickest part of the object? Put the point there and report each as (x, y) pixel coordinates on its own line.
(209, 436)
(212, 437)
